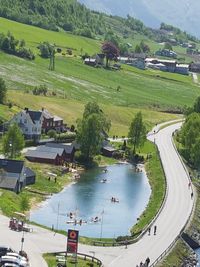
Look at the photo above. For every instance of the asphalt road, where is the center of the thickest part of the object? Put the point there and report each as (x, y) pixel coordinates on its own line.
(171, 220)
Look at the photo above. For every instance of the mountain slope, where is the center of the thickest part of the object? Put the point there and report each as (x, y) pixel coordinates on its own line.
(183, 14)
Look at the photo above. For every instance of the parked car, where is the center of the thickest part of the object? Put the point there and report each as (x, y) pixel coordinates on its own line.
(13, 260)
(4, 250)
(10, 265)
(23, 260)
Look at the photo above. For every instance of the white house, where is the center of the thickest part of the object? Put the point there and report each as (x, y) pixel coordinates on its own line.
(30, 123)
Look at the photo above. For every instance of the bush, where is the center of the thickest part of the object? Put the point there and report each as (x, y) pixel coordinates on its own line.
(51, 133)
(64, 137)
(29, 143)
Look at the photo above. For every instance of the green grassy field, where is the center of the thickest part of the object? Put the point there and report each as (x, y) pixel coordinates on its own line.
(34, 35)
(75, 83)
(71, 110)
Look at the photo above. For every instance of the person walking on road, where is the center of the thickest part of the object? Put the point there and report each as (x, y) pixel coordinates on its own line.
(149, 230)
(147, 261)
(155, 229)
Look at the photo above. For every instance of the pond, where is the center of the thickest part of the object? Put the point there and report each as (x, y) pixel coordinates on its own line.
(91, 196)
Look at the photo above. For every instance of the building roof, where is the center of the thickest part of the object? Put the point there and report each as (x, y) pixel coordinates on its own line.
(29, 173)
(160, 60)
(8, 183)
(67, 147)
(109, 148)
(49, 149)
(41, 154)
(46, 114)
(182, 65)
(12, 166)
(93, 60)
(56, 118)
(34, 115)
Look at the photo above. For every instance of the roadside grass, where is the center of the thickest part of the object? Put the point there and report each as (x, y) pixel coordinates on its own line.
(176, 256)
(157, 181)
(51, 261)
(70, 110)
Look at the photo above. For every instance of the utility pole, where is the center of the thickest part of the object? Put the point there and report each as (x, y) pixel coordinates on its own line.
(52, 58)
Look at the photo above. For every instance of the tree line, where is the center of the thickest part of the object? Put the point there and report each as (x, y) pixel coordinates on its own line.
(72, 16)
(9, 44)
(189, 136)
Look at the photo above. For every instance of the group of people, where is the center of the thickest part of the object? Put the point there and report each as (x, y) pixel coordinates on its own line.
(113, 199)
(154, 230)
(145, 264)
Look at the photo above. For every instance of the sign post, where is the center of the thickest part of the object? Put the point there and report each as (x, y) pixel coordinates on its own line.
(72, 242)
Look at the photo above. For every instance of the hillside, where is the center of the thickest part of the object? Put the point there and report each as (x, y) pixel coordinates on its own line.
(71, 16)
(72, 84)
(183, 14)
(142, 89)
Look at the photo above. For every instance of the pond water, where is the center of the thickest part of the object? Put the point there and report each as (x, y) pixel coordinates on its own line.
(90, 197)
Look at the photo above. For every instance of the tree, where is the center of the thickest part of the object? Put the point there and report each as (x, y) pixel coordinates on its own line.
(190, 131)
(3, 91)
(24, 203)
(168, 46)
(90, 130)
(138, 49)
(197, 105)
(137, 132)
(195, 153)
(13, 142)
(110, 51)
(144, 47)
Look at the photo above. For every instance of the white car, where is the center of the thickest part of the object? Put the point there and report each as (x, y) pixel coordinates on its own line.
(14, 260)
(16, 255)
(10, 265)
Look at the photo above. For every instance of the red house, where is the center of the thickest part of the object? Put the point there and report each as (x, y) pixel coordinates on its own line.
(51, 122)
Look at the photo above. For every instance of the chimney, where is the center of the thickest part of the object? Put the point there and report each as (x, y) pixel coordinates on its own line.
(26, 109)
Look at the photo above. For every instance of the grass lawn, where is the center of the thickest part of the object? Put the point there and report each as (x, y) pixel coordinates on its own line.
(34, 35)
(11, 202)
(77, 81)
(51, 261)
(71, 110)
(157, 181)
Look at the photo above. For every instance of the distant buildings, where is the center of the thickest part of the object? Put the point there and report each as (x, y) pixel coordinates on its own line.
(95, 61)
(167, 65)
(166, 53)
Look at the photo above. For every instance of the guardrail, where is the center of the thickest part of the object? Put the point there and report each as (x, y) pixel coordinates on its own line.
(83, 256)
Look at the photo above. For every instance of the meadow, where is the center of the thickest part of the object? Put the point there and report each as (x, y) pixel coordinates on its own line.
(120, 93)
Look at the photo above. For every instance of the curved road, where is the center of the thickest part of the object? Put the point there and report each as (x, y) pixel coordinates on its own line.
(170, 221)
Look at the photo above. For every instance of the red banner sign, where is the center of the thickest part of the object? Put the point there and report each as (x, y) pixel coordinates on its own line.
(72, 241)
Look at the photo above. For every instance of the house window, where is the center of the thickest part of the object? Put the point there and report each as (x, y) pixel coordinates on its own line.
(25, 121)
